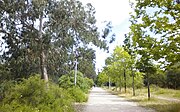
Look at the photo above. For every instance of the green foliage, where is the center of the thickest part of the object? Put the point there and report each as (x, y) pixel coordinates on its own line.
(66, 24)
(5, 88)
(4, 72)
(158, 78)
(77, 94)
(86, 63)
(138, 80)
(89, 82)
(32, 95)
(154, 36)
(102, 79)
(67, 81)
(118, 68)
(173, 76)
(82, 87)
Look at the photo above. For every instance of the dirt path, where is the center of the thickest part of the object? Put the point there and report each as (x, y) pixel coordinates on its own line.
(102, 101)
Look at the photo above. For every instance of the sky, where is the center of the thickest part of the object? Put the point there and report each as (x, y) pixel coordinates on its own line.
(116, 11)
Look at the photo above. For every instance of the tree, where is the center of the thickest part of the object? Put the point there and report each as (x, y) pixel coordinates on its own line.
(86, 62)
(146, 66)
(123, 58)
(172, 76)
(117, 67)
(131, 50)
(162, 24)
(67, 81)
(38, 34)
(102, 78)
(155, 33)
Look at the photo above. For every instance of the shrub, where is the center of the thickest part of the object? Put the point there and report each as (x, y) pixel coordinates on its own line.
(67, 81)
(5, 86)
(77, 94)
(90, 82)
(32, 95)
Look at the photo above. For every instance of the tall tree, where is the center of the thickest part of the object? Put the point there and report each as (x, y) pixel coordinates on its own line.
(160, 20)
(131, 50)
(117, 67)
(86, 62)
(34, 31)
(123, 58)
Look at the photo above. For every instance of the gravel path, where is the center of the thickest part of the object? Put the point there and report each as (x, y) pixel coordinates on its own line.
(102, 101)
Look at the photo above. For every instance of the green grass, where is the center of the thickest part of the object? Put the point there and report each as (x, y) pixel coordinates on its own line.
(166, 92)
(157, 104)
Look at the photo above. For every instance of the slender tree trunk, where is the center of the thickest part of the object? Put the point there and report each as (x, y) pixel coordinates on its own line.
(133, 82)
(125, 80)
(149, 95)
(43, 66)
(44, 74)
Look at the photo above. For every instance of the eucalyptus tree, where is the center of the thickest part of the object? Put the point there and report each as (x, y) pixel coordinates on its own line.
(41, 33)
(86, 62)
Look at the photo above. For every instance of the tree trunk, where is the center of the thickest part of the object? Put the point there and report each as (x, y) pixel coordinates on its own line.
(133, 82)
(44, 74)
(43, 67)
(149, 95)
(125, 80)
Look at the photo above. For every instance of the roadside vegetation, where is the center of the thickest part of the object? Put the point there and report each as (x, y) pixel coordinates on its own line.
(169, 103)
(149, 57)
(50, 38)
(34, 94)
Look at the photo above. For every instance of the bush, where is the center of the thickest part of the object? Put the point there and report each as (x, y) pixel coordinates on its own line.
(77, 94)
(5, 86)
(67, 81)
(32, 95)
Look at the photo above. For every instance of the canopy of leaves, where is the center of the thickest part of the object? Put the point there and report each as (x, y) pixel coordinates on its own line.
(155, 28)
(67, 26)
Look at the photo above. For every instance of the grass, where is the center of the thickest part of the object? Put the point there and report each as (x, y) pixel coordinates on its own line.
(159, 105)
(166, 92)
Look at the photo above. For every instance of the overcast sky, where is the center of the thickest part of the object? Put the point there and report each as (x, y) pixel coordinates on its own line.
(116, 11)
